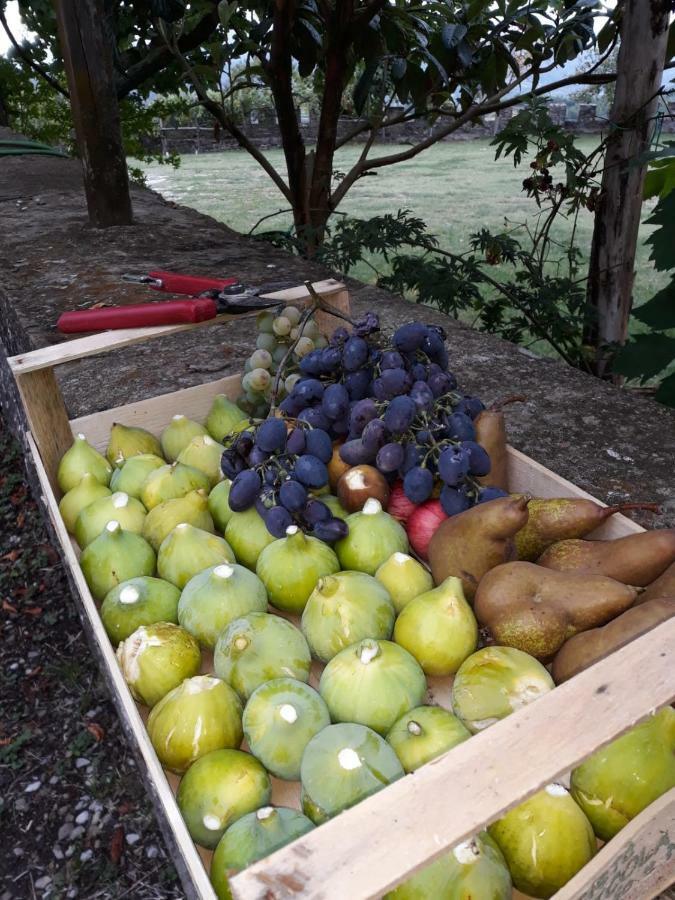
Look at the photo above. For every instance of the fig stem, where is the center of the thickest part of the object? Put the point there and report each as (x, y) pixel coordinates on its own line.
(622, 507)
(498, 405)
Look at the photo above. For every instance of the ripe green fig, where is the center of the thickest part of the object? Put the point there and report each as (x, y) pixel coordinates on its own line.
(201, 714)
(118, 507)
(280, 719)
(186, 551)
(404, 578)
(345, 608)
(178, 434)
(438, 628)
(290, 568)
(223, 416)
(161, 521)
(247, 534)
(131, 477)
(373, 536)
(545, 841)
(257, 647)
(423, 733)
(494, 682)
(622, 779)
(138, 601)
(115, 556)
(79, 460)
(335, 506)
(204, 453)
(473, 870)
(218, 596)
(156, 658)
(219, 506)
(79, 497)
(372, 683)
(171, 482)
(218, 789)
(127, 441)
(342, 765)
(254, 836)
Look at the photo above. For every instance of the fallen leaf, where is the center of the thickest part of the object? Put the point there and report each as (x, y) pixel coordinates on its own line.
(33, 611)
(7, 607)
(117, 844)
(95, 729)
(12, 556)
(20, 519)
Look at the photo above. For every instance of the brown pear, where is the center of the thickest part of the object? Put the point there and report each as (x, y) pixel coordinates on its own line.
(561, 518)
(636, 559)
(490, 426)
(534, 610)
(584, 649)
(471, 543)
(663, 586)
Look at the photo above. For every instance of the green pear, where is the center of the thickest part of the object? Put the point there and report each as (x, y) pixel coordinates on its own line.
(127, 441)
(79, 497)
(119, 507)
(178, 434)
(79, 460)
(171, 482)
(161, 521)
(187, 550)
(132, 475)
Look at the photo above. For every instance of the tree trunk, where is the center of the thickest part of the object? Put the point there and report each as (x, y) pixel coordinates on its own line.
(644, 34)
(88, 63)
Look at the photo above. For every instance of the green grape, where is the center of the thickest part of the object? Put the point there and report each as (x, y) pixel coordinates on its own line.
(320, 342)
(261, 359)
(311, 330)
(291, 381)
(279, 353)
(259, 379)
(244, 403)
(246, 383)
(304, 346)
(264, 321)
(295, 333)
(282, 326)
(261, 410)
(253, 397)
(266, 341)
(247, 366)
(292, 313)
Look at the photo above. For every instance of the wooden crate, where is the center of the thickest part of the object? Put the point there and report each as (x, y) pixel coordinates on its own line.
(368, 849)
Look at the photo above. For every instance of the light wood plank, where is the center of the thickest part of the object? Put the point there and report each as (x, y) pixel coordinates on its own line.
(46, 415)
(370, 848)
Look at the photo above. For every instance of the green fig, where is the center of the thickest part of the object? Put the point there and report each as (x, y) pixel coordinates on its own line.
(254, 836)
(373, 536)
(223, 416)
(545, 841)
(127, 441)
(372, 683)
(156, 658)
(204, 453)
(139, 601)
(247, 534)
(290, 568)
(335, 506)
(622, 779)
(473, 870)
(118, 507)
(178, 434)
(342, 765)
(186, 551)
(280, 719)
(423, 733)
(131, 477)
(438, 628)
(344, 608)
(404, 578)
(197, 716)
(218, 596)
(257, 647)
(79, 497)
(81, 459)
(218, 504)
(161, 521)
(218, 789)
(115, 556)
(171, 482)
(494, 682)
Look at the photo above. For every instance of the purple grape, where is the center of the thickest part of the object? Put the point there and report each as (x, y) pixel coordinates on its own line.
(453, 501)
(308, 389)
(295, 442)
(374, 436)
(418, 372)
(422, 394)
(389, 457)
(243, 443)
(291, 406)
(331, 530)
(490, 493)
(231, 463)
(292, 495)
(358, 384)
(453, 465)
(391, 359)
(315, 418)
(312, 364)
(310, 471)
(418, 484)
(316, 511)
(277, 521)
(271, 435)
(367, 324)
(257, 456)
(335, 401)
(408, 338)
(393, 382)
(319, 444)
(340, 428)
(355, 354)
(472, 406)
(460, 427)
(434, 347)
(423, 436)
(355, 454)
(245, 488)
(400, 414)
(363, 411)
(339, 336)
(412, 456)
(439, 383)
(479, 458)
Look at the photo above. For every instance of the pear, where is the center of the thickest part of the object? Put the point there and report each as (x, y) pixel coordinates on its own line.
(138, 601)
(663, 586)
(438, 628)
(622, 779)
(404, 578)
(561, 518)
(171, 482)
(219, 506)
(545, 841)
(187, 550)
(178, 434)
(471, 543)
(589, 647)
(81, 459)
(79, 497)
(536, 610)
(115, 556)
(91, 521)
(127, 441)
(204, 454)
(636, 559)
(223, 417)
(192, 508)
(132, 475)
(490, 427)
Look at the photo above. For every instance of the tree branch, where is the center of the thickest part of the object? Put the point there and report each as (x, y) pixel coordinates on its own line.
(32, 65)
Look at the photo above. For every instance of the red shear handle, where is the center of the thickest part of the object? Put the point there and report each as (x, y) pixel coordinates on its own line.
(189, 284)
(137, 315)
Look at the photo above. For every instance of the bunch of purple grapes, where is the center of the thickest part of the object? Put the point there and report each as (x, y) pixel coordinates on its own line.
(276, 470)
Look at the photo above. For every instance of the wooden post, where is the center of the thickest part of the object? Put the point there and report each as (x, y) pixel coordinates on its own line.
(88, 63)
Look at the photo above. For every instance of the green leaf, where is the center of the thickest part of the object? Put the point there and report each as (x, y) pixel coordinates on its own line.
(645, 356)
(363, 85)
(225, 11)
(451, 35)
(398, 68)
(666, 391)
(659, 311)
(662, 240)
